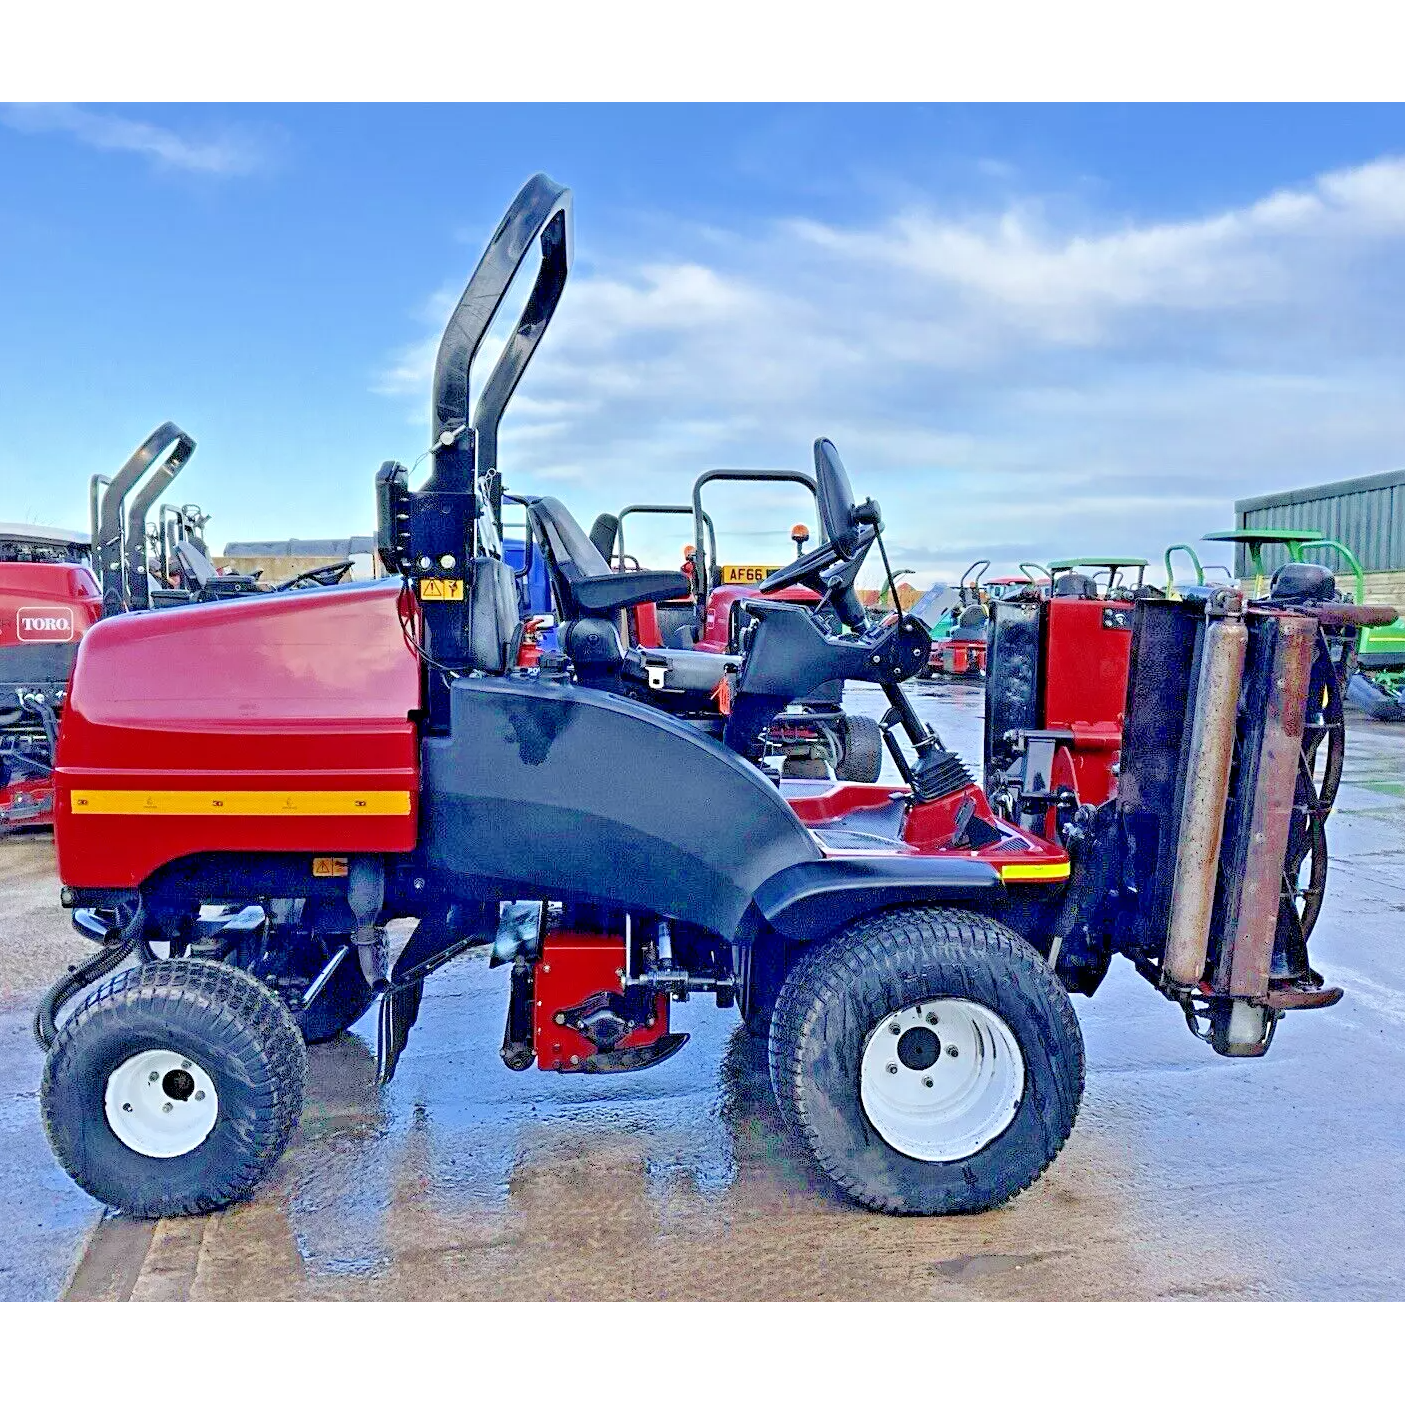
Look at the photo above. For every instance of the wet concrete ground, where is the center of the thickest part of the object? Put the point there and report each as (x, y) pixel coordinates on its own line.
(1187, 1176)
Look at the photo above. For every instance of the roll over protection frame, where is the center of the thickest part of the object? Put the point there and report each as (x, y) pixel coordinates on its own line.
(114, 538)
(740, 475)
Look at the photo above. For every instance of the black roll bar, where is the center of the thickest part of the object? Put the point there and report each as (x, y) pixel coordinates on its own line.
(541, 210)
(169, 442)
(742, 475)
(671, 509)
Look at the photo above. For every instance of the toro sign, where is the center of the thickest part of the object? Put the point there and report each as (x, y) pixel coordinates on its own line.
(44, 624)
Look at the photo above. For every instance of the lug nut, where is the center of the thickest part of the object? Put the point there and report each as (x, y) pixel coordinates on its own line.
(199, 1095)
(152, 1077)
(926, 1082)
(952, 1050)
(892, 1068)
(559, 1017)
(931, 1019)
(166, 1108)
(895, 1029)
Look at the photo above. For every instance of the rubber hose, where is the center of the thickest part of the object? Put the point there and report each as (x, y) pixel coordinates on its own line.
(69, 984)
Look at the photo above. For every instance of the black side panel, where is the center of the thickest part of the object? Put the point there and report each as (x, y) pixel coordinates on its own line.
(1014, 685)
(1166, 638)
(37, 665)
(813, 899)
(546, 790)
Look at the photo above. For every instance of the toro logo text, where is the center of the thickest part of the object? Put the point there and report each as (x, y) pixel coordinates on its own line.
(44, 624)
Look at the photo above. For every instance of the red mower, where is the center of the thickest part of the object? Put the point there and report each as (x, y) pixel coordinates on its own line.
(237, 839)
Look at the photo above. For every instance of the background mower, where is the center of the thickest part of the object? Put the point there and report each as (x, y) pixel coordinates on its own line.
(347, 757)
(813, 737)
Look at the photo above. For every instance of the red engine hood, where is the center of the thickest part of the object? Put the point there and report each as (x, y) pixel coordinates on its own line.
(277, 722)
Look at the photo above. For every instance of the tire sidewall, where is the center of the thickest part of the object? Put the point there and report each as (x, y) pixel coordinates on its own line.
(832, 1047)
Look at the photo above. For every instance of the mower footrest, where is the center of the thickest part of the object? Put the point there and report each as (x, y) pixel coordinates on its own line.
(1302, 996)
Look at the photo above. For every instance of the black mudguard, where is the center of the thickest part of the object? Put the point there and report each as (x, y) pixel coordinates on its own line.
(810, 900)
(554, 791)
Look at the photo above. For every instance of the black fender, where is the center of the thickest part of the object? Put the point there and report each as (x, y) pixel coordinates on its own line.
(810, 900)
(549, 790)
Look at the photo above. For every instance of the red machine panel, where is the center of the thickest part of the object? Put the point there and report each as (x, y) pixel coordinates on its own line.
(46, 603)
(1087, 650)
(575, 966)
(719, 611)
(278, 722)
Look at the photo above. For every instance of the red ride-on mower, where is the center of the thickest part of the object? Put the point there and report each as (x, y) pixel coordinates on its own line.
(812, 738)
(238, 840)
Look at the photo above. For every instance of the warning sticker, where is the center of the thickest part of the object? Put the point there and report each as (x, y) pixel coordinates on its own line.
(441, 590)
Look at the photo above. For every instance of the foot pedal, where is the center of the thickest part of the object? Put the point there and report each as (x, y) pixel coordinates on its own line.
(400, 1008)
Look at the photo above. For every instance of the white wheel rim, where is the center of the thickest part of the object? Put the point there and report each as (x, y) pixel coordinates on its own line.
(941, 1079)
(160, 1103)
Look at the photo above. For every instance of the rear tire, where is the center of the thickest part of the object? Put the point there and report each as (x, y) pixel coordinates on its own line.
(174, 1088)
(975, 1127)
(862, 760)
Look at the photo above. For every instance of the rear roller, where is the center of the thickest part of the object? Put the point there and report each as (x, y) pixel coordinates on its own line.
(930, 1060)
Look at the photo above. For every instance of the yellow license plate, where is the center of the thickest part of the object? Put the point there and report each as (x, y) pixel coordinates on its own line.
(746, 575)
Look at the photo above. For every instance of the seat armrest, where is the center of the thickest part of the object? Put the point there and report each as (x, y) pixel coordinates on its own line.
(602, 594)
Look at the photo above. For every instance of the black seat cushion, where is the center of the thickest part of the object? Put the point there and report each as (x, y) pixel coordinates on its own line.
(684, 670)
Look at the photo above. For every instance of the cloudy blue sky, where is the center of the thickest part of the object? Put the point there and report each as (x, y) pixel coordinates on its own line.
(1032, 331)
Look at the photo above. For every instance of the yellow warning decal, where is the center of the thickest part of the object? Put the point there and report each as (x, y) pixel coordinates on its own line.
(329, 868)
(441, 590)
(1029, 872)
(297, 804)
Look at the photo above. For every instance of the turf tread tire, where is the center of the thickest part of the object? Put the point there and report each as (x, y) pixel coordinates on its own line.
(838, 990)
(863, 750)
(241, 1033)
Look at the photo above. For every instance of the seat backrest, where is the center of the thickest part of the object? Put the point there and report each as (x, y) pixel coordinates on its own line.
(194, 564)
(493, 624)
(604, 533)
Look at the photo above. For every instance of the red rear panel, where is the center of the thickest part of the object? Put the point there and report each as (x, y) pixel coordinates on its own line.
(1085, 690)
(275, 723)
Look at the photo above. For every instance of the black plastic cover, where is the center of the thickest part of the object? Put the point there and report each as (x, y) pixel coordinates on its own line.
(554, 791)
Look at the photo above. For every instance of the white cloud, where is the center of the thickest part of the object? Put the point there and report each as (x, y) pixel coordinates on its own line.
(227, 154)
(1045, 385)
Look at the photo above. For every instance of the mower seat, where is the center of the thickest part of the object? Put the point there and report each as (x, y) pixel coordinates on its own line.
(1074, 585)
(583, 581)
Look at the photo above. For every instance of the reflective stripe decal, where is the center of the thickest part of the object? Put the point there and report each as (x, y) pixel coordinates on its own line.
(1029, 872)
(296, 804)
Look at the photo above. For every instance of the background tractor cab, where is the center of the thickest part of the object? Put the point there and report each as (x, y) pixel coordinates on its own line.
(908, 949)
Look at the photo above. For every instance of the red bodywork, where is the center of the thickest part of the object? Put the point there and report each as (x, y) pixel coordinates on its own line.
(927, 830)
(717, 623)
(574, 966)
(276, 723)
(46, 603)
(961, 658)
(41, 603)
(1087, 648)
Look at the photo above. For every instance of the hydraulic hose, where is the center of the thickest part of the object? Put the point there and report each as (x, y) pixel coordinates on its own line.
(71, 982)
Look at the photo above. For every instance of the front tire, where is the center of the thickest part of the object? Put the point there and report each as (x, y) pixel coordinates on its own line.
(174, 1088)
(930, 1060)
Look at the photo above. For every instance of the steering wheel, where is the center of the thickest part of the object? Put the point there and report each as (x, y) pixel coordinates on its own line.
(332, 574)
(850, 531)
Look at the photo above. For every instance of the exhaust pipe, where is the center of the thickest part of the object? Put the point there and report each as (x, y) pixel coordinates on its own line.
(1206, 791)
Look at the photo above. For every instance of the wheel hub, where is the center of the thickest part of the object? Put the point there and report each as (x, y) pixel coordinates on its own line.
(160, 1103)
(941, 1079)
